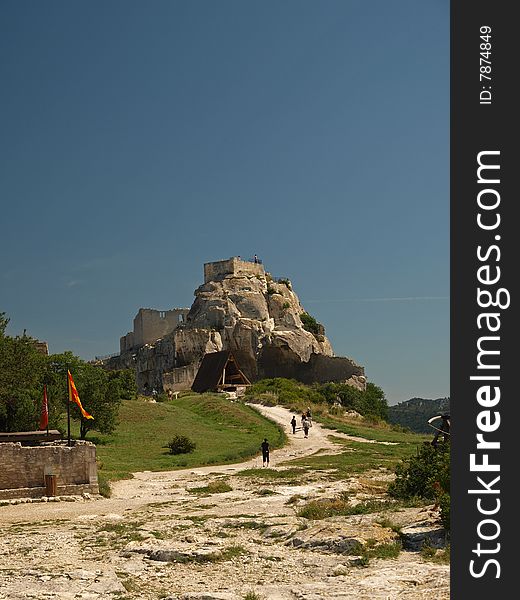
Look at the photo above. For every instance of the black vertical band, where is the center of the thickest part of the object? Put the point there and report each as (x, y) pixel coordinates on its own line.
(484, 246)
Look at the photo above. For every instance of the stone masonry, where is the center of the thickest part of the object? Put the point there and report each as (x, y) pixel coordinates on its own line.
(151, 325)
(24, 469)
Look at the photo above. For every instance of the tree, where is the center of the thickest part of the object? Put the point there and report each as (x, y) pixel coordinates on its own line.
(369, 403)
(100, 397)
(126, 381)
(99, 394)
(21, 372)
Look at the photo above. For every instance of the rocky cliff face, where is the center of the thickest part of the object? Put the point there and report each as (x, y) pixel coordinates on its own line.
(244, 310)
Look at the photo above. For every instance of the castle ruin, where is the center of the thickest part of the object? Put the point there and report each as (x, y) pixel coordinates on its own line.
(241, 308)
(151, 325)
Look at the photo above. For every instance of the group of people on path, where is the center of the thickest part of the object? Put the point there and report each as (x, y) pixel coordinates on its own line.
(306, 421)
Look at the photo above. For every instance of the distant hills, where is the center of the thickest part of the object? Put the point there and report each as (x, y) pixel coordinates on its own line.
(414, 413)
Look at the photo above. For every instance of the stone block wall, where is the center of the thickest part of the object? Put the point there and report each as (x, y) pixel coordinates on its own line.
(214, 271)
(151, 325)
(24, 468)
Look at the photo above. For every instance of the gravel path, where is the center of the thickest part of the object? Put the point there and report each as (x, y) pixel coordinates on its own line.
(158, 537)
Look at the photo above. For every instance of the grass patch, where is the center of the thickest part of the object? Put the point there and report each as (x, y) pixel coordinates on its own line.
(388, 524)
(104, 486)
(357, 457)
(282, 475)
(248, 525)
(389, 550)
(213, 487)
(227, 553)
(441, 557)
(253, 596)
(223, 431)
(340, 506)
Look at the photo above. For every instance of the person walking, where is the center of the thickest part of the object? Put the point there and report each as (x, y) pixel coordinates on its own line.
(293, 423)
(265, 453)
(305, 425)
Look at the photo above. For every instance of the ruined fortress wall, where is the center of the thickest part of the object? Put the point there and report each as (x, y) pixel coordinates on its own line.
(151, 325)
(214, 271)
(127, 342)
(24, 469)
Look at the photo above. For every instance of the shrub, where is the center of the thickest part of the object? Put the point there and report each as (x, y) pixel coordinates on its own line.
(213, 487)
(426, 475)
(310, 324)
(104, 486)
(181, 444)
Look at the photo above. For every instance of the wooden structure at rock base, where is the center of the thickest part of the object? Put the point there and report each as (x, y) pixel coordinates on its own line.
(219, 372)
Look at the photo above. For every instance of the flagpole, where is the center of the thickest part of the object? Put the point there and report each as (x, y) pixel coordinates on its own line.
(47, 411)
(68, 407)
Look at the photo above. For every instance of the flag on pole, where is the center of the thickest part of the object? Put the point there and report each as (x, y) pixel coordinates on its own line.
(44, 416)
(74, 397)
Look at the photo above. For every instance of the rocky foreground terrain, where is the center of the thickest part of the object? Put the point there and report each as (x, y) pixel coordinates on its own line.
(180, 535)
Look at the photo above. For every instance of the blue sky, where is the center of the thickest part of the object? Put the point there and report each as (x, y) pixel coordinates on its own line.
(139, 140)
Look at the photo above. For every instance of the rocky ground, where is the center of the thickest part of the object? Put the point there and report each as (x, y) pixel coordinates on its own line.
(169, 535)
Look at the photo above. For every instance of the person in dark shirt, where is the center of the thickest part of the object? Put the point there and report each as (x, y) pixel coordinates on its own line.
(293, 423)
(265, 452)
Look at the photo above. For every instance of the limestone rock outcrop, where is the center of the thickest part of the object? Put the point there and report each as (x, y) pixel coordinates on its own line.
(241, 308)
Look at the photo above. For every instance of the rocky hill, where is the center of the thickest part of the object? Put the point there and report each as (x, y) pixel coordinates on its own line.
(241, 308)
(414, 413)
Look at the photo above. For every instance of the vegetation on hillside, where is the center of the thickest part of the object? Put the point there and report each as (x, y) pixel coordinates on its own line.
(222, 431)
(370, 403)
(414, 413)
(311, 325)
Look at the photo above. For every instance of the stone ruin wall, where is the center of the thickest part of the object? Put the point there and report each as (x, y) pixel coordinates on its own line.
(151, 325)
(24, 468)
(214, 271)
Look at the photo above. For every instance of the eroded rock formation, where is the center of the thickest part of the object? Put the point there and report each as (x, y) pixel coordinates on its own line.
(241, 308)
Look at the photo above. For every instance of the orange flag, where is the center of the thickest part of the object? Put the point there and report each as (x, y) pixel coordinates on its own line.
(74, 397)
(44, 417)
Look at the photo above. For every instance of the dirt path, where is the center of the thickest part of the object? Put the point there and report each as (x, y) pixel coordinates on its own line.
(148, 486)
(162, 536)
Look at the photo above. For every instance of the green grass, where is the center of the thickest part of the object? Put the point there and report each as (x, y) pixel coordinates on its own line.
(358, 457)
(282, 475)
(224, 432)
(389, 550)
(247, 525)
(382, 432)
(214, 487)
(340, 506)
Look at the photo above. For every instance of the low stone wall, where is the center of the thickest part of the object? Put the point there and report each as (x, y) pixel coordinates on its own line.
(23, 469)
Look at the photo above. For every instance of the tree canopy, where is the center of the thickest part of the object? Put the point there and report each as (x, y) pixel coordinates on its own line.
(24, 371)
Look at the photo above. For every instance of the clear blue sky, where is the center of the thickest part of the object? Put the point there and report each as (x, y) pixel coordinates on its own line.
(139, 140)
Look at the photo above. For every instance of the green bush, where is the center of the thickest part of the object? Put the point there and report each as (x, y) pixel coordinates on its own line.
(181, 444)
(310, 324)
(426, 475)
